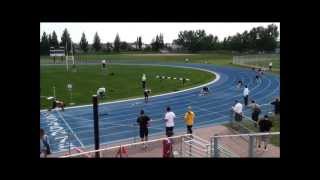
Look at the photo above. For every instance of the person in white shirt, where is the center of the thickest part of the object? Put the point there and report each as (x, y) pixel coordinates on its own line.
(143, 80)
(101, 92)
(103, 62)
(237, 109)
(169, 119)
(270, 66)
(246, 95)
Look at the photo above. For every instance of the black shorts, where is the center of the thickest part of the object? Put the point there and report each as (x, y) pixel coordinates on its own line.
(238, 117)
(145, 94)
(169, 131)
(144, 132)
(103, 65)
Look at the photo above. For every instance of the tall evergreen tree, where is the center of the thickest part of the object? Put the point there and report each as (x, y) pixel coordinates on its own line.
(96, 43)
(44, 44)
(117, 43)
(66, 40)
(54, 40)
(84, 46)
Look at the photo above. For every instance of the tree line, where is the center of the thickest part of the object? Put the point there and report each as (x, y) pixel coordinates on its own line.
(256, 40)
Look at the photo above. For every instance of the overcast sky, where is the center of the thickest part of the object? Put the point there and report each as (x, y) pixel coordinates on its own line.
(130, 31)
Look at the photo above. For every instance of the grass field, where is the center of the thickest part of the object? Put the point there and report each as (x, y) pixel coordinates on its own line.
(216, 58)
(211, 58)
(125, 83)
(248, 125)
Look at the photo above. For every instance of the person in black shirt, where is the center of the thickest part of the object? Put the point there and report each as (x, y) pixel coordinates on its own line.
(265, 126)
(143, 122)
(146, 93)
(276, 104)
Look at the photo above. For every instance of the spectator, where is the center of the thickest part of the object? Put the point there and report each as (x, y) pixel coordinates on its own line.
(256, 110)
(143, 80)
(189, 119)
(264, 127)
(276, 104)
(143, 122)
(44, 144)
(169, 119)
(246, 95)
(237, 109)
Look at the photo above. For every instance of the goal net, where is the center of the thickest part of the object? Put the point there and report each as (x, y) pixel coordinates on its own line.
(70, 62)
(261, 60)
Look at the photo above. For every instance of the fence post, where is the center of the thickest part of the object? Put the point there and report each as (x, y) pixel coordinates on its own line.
(251, 146)
(181, 141)
(215, 145)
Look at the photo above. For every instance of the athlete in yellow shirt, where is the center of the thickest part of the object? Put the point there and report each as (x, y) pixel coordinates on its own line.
(189, 119)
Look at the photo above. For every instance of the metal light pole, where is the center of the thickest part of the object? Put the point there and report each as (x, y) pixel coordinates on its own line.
(54, 91)
(69, 86)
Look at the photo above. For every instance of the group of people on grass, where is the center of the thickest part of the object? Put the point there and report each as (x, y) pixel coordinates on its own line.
(263, 124)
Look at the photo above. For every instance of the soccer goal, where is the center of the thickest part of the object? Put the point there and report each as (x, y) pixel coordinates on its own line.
(260, 60)
(70, 61)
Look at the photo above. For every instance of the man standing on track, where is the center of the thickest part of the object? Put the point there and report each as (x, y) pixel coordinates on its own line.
(189, 119)
(246, 95)
(143, 122)
(169, 119)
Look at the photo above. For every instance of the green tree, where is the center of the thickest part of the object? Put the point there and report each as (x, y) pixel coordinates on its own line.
(140, 42)
(54, 40)
(66, 40)
(96, 43)
(84, 46)
(124, 46)
(117, 43)
(44, 44)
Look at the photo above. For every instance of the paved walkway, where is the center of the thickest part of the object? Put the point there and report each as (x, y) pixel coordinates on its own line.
(236, 145)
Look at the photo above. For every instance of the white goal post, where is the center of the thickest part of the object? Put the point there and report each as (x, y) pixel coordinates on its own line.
(251, 59)
(69, 59)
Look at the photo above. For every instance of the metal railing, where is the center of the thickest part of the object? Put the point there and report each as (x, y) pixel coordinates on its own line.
(218, 146)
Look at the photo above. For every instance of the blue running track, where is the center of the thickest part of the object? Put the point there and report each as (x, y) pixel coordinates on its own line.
(117, 119)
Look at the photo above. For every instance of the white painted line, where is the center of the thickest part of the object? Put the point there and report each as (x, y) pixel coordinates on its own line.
(75, 135)
(207, 84)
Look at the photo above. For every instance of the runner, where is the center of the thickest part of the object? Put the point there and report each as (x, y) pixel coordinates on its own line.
(146, 93)
(56, 103)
